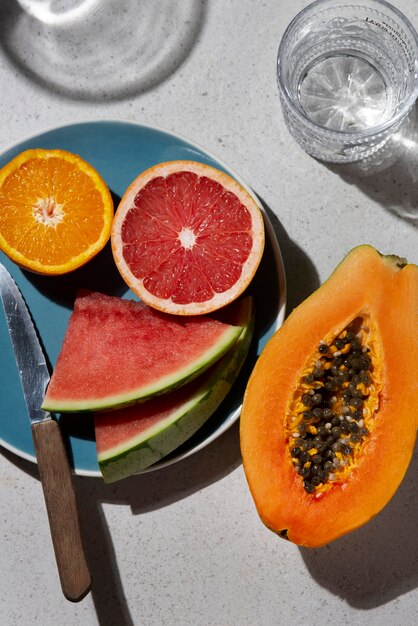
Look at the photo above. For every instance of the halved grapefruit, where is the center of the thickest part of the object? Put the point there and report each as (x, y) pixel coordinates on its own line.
(187, 238)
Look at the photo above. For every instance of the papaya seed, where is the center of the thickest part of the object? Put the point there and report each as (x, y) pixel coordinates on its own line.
(335, 391)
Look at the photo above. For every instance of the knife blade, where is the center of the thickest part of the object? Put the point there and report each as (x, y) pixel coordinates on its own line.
(53, 464)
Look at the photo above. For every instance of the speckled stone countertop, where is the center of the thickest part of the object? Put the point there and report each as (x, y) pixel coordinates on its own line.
(184, 545)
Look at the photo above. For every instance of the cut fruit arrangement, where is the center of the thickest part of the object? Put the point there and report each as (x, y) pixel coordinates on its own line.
(187, 239)
(328, 422)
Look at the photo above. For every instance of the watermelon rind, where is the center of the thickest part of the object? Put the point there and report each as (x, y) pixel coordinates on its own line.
(163, 384)
(139, 452)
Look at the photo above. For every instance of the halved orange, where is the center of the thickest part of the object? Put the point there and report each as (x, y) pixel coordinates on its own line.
(187, 238)
(56, 211)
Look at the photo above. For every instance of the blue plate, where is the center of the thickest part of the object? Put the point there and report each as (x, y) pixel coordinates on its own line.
(119, 150)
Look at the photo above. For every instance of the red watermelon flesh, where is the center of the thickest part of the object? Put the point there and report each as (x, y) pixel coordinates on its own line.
(117, 351)
(130, 439)
(113, 428)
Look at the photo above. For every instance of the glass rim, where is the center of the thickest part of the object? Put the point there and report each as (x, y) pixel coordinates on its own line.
(338, 134)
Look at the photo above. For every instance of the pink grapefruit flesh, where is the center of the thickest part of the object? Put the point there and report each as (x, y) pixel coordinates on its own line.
(187, 238)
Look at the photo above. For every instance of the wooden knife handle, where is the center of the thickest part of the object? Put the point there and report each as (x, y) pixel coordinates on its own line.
(61, 505)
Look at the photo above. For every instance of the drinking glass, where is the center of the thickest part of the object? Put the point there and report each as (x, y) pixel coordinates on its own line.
(347, 76)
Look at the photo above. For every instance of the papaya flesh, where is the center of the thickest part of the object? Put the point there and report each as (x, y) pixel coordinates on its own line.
(351, 351)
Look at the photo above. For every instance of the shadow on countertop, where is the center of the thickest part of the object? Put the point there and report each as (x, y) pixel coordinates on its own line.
(143, 493)
(73, 51)
(368, 568)
(301, 276)
(390, 176)
(378, 562)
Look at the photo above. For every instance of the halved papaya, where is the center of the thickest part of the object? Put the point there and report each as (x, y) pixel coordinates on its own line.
(329, 417)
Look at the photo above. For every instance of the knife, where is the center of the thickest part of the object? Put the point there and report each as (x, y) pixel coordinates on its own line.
(54, 468)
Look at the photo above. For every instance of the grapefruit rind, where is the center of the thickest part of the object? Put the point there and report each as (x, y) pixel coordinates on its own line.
(72, 263)
(249, 267)
(61, 402)
(137, 453)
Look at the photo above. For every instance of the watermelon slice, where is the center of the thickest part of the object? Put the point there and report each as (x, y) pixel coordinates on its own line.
(116, 352)
(131, 439)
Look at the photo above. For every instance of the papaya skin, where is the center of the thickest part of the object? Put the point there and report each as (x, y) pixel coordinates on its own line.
(384, 290)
